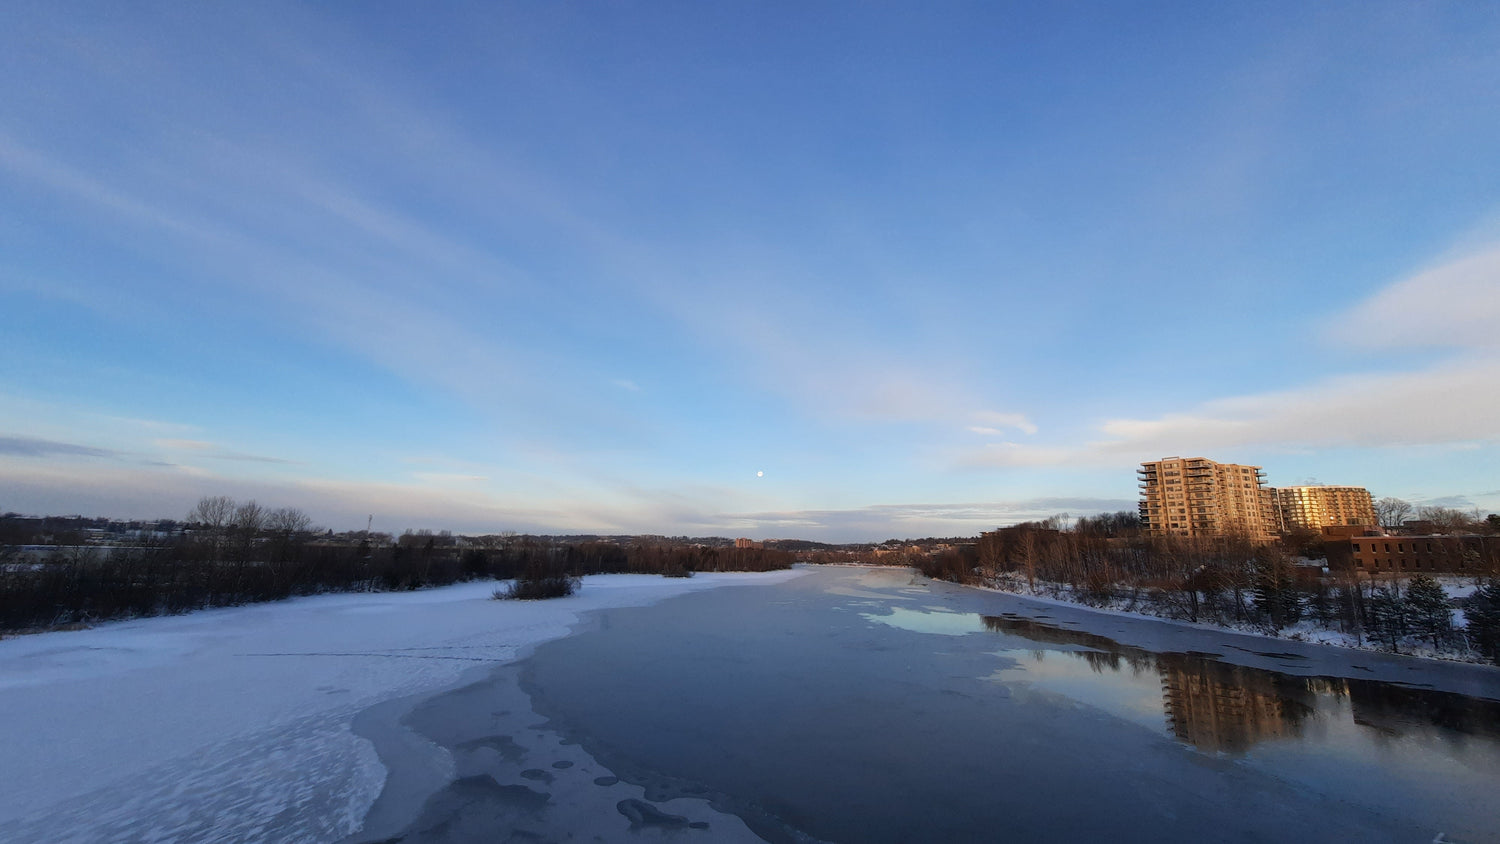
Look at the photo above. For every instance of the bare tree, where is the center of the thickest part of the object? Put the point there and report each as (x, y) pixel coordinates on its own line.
(1392, 511)
(1028, 558)
(1058, 521)
(244, 527)
(213, 512)
(213, 515)
(1447, 519)
(287, 527)
(288, 520)
(249, 518)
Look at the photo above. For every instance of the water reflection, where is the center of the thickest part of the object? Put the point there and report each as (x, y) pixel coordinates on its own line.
(1223, 708)
(1213, 705)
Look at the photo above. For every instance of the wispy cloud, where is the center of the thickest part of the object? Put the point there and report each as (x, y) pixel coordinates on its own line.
(1453, 305)
(1461, 502)
(441, 478)
(33, 447)
(992, 422)
(1451, 402)
(213, 451)
(187, 445)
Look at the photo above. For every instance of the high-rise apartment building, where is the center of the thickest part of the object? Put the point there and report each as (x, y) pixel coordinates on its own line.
(1314, 507)
(1194, 496)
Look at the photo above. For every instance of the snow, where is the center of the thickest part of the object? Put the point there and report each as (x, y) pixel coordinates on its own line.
(1302, 631)
(232, 723)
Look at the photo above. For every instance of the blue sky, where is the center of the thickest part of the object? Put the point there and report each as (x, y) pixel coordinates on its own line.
(834, 271)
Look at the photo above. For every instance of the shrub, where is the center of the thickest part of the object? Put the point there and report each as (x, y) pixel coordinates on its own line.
(540, 580)
(1427, 609)
(525, 589)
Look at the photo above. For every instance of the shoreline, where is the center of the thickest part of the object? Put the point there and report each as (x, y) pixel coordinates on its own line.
(1340, 642)
(1297, 658)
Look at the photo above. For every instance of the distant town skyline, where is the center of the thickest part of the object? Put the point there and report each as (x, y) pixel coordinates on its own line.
(833, 272)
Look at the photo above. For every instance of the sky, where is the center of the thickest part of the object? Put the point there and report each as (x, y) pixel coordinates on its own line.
(835, 271)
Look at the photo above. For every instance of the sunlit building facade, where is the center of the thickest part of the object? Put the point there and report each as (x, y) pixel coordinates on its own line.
(1198, 497)
(1315, 507)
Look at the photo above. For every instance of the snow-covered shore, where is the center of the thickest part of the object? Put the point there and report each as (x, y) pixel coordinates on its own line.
(1305, 630)
(235, 723)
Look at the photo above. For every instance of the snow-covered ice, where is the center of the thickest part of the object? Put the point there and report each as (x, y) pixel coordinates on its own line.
(235, 723)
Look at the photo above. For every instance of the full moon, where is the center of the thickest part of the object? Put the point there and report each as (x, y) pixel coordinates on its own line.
(760, 474)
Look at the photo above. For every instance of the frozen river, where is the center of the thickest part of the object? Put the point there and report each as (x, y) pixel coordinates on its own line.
(832, 704)
(871, 705)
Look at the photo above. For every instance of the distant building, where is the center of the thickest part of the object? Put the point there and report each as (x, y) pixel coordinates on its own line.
(1316, 507)
(1197, 497)
(742, 542)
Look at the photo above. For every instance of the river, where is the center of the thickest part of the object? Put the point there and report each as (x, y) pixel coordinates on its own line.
(858, 705)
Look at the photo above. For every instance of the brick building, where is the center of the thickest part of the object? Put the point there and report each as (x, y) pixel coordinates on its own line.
(1379, 553)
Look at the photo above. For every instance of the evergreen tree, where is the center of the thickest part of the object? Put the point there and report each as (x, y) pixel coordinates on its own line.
(1387, 616)
(1276, 594)
(1483, 613)
(1427, 609)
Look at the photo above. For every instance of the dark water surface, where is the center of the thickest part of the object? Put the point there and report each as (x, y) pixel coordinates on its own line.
(858, 705)
(872, 706)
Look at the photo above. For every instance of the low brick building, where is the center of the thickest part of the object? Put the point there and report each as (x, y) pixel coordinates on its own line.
(1434, 554)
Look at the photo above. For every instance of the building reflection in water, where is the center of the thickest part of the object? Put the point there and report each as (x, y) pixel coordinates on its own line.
(1227, 708)
(1221, 708)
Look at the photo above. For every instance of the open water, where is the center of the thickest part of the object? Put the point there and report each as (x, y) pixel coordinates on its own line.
(873, 706)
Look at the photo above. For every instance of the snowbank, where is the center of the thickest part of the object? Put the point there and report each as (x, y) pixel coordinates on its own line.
(1306, 630)
(232, 723)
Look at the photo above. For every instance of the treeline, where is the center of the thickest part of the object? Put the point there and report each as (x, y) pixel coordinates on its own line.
(1227, 581)
(1395, 513)
(240, 553)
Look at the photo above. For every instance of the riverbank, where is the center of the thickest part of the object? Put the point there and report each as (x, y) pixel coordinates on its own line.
(1248, 648)
(1303, 630)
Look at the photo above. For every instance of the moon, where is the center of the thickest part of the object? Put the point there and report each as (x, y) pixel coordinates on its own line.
(760, 474)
